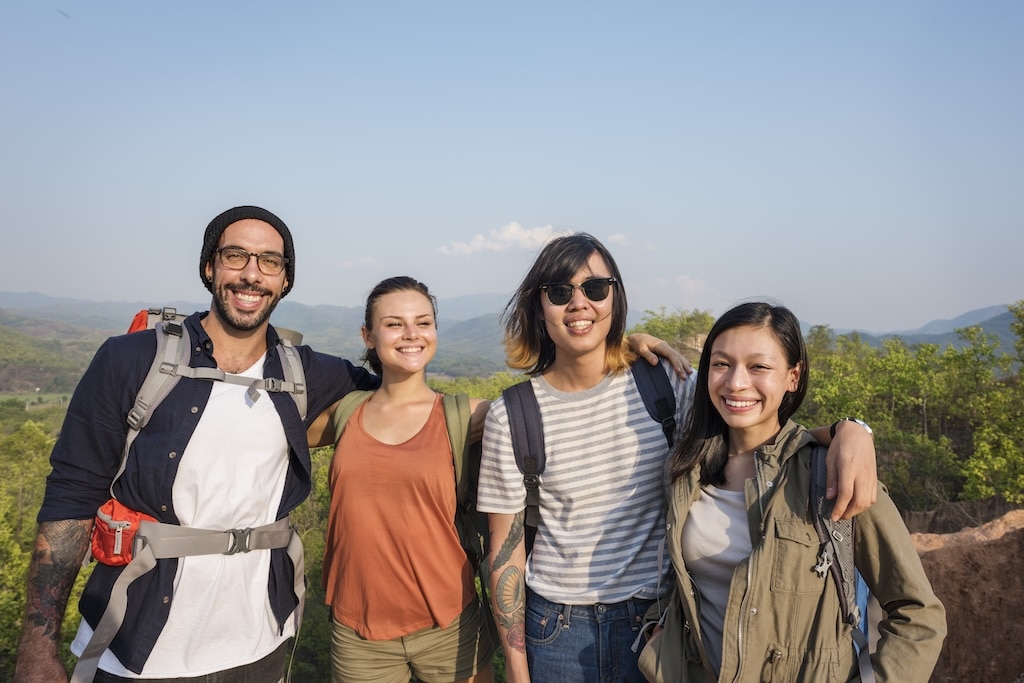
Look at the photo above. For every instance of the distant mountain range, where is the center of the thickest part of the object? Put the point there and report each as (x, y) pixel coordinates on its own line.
(469, 328)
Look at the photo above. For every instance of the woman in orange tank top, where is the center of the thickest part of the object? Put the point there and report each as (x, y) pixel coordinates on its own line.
(399, 585)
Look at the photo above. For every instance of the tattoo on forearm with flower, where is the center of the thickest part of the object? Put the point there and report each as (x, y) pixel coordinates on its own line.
(510, 603)
(510, 589)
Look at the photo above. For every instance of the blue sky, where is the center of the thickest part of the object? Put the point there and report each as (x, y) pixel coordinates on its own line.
(862, 163)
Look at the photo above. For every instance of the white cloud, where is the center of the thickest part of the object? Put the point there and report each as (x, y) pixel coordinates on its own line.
(362, 262)
(511, 236)
(690, 285)
(618, 239)
(678, 292)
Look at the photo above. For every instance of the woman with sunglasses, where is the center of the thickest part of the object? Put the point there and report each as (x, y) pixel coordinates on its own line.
(572, 610)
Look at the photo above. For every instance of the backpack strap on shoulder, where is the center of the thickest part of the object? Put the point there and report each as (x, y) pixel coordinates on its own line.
(171, 363)
(471, 525)
(457, 415)
(172, 348)
(294, 375)
(658, 395)
(837, 557)
(527, 431)
(348, 404)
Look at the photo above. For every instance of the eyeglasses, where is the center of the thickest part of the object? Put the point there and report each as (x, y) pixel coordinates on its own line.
(595, 289)
(268, 262)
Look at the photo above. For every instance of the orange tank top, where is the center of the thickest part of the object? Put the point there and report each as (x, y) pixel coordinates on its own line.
(393, 563)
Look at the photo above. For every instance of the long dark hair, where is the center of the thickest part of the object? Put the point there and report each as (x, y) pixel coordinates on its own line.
(705, 438)
(400, 283)
(527, 344)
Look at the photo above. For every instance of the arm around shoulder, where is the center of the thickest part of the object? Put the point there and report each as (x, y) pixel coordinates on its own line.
(852, 472)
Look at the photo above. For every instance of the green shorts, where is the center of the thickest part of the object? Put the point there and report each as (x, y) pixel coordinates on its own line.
(433, 655)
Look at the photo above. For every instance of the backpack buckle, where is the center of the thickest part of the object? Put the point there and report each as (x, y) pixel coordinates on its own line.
(239, 541)
(273, 384)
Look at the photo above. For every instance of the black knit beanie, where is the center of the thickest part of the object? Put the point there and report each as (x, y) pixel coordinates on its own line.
(216, 228)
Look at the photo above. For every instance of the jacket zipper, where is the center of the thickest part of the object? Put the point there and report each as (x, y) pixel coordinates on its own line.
(759, 486)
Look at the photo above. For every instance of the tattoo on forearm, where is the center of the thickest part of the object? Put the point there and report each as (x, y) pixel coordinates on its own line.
(509, 592)
(510, 606)
(55, 564)
(514, 538)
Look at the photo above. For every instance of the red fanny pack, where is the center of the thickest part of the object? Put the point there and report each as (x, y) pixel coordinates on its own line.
(114, 532)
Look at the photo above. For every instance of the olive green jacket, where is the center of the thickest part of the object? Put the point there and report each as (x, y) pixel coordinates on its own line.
(783, 621)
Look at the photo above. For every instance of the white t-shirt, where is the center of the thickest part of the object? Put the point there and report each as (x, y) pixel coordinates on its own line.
(231, 476)
(601, 492)
(716, 539)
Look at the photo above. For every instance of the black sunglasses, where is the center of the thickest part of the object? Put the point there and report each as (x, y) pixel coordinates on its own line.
(595, 289)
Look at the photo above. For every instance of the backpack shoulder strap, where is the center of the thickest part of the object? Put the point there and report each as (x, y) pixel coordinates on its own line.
(173, 344)
(294, 375)
(171, 363)
(346, 407)
(659, 398)
(527, 432)
(457, 415)
(470, 524)
(837, 557)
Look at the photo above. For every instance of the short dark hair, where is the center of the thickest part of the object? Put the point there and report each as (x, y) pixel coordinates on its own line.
(399, 283)
(704, 440)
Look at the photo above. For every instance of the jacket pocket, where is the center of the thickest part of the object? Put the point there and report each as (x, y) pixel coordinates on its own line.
(802, 664)
(794, 558)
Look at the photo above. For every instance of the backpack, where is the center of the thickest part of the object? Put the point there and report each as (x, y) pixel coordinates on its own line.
(837, 557)
(471, 525)
(527, 431)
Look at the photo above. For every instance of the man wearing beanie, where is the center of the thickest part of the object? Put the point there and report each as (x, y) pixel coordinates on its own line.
(215, 456)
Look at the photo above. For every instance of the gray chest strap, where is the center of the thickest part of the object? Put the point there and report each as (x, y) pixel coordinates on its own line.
(156, 541)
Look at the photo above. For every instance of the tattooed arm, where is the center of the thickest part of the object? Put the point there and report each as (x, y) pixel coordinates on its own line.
(508, 591)
(60, 547)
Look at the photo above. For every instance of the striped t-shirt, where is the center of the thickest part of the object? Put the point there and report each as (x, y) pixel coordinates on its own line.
(601, 492)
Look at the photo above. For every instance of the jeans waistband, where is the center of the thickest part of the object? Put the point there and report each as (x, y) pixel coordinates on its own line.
(632, 609)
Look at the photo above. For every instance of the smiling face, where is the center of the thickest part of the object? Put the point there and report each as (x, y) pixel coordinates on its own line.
(244, 299)
(581, 326)
(748, 377)
(403, 332)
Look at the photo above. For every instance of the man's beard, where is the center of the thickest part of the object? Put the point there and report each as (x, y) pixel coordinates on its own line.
(248, 321)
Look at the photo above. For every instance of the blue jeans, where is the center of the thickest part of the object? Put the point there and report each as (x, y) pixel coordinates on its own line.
(583, 643)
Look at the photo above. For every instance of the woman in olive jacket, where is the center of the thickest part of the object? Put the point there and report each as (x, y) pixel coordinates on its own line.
(748, 605)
